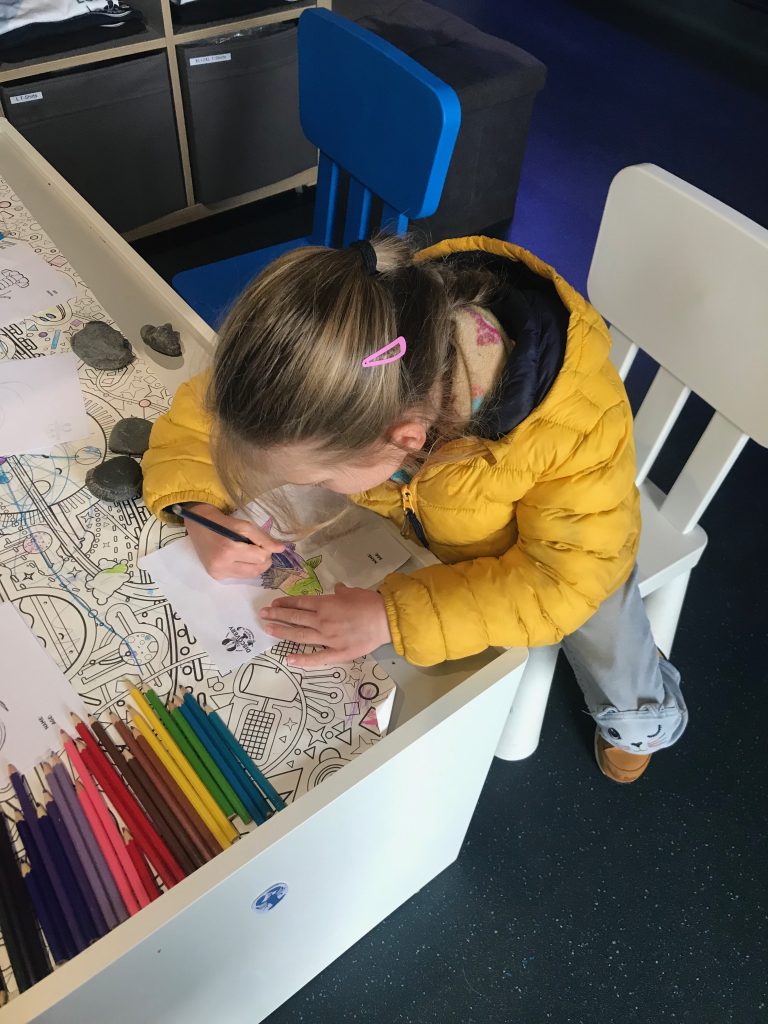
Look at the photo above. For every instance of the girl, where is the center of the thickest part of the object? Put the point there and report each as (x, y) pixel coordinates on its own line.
(466, 393)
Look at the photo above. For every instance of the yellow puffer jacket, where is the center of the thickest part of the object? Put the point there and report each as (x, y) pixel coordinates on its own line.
(534, 532)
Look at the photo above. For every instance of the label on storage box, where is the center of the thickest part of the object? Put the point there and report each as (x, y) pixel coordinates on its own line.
(213, 58)
(26, 97)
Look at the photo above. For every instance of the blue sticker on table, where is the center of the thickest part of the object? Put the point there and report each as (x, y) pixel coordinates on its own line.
(270, 898)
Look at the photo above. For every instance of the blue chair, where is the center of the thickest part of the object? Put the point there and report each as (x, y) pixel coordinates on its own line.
(373, 113)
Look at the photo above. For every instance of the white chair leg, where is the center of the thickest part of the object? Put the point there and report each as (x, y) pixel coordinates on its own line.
(520, 735)
(663, 607)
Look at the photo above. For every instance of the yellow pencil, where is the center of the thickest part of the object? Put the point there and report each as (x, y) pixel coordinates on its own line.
(225, 826)
(178, 776)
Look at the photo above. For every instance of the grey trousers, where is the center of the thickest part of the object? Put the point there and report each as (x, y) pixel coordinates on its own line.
(632, 692)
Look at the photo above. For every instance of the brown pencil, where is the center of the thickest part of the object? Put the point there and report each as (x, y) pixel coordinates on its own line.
(170, 792)
(163, 820)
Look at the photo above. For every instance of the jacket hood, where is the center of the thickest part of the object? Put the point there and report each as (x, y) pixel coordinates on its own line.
(541, 314)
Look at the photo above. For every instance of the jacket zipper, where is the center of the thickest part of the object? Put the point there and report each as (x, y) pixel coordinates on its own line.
(411, 519)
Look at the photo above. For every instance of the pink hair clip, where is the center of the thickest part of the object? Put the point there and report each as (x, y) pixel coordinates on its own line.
(381, 358)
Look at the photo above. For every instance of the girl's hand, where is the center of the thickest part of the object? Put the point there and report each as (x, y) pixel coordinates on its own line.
(228, 559)
(348, 623)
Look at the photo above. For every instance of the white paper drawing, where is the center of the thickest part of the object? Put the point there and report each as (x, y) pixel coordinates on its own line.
(28, 284)
(36, 698)
(224, 615)
(41, 404)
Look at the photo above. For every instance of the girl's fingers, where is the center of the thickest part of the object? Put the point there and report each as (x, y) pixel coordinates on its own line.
(290, 616)
(287, 631)
(300, 603)
(319, 659)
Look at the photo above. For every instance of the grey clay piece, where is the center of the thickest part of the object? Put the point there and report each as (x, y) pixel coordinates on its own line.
(162, 339)
(118, 479)
(130, 436)
(102, 347)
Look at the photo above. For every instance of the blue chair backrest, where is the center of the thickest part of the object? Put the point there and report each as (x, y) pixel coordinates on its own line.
(375, 113)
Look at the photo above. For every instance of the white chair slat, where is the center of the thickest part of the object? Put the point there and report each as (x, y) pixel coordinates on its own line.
(623, 352)
(656, 417)
(718, 448)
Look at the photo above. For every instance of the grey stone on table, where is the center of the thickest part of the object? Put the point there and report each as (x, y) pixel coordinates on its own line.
(162, 339)
(102, 347)
(130, 436)
(117, 479)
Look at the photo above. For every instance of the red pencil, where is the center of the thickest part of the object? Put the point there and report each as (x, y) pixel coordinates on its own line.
(126, 806)
(142, 868)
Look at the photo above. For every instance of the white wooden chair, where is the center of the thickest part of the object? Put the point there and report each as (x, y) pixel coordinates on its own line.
(684, 278)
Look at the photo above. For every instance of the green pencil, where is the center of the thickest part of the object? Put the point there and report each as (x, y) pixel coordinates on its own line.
(184, 746)
(211, 765)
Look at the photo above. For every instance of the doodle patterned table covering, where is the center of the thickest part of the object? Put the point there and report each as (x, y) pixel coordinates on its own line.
(69, 564)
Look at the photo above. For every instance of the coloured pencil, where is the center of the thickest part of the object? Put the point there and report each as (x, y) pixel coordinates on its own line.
(66, 942)
(29, 959)
(168, 794)
(247, 762)
(159, 816)
(203, 841)
(194, 741)
(87, 848)
(198, 766)
(78, 926)
(126, 805)
(202, 819)
(201, 799)
(43, 913)
(132, 815)
(116, 882)
(147, 878)
(63, 897)
(71, 868)
(231, 767)
(3, 990)
(128, 881)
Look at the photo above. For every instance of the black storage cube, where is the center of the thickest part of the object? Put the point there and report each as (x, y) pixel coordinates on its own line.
(496, 83)
(241, 102)
(110, 131)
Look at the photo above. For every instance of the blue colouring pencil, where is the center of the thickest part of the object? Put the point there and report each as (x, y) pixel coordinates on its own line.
(43, 914)
(65, 945)
(56, 850)
(30, 816)
(85, 843)
(91, 911)
(231, 770)
(242, 755)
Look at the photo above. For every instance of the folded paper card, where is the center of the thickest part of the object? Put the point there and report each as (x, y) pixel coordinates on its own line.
(224, 615)
(36, 698)
(41, 404)
(28, 284)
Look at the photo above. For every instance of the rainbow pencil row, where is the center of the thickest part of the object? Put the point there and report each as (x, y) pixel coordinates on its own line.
(176, 782)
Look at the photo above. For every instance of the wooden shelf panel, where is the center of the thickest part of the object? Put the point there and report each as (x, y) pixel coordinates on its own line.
(194, 33)
(146, 41)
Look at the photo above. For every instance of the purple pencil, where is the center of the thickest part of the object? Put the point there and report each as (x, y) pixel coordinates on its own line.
(65, 945)
(51, 868)
(85, 843)
(43, 914)
(96, 918)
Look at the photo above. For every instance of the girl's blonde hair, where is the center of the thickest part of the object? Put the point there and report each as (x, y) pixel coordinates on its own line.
(288, 367)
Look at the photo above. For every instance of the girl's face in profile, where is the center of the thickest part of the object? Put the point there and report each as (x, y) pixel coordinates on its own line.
(305, 463)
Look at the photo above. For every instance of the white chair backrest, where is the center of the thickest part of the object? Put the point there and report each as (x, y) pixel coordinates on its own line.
(685, 278)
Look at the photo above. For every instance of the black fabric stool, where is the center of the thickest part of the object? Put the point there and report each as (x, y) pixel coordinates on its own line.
(496, 83)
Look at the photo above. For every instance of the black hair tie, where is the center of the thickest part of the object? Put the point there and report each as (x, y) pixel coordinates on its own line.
(368, 256)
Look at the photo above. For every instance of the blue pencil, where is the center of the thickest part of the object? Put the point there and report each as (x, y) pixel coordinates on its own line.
(242, 755)
(222, 733)
(79, 908)
(231, 770)
(65, 944)
(29, 811)
(43, 914)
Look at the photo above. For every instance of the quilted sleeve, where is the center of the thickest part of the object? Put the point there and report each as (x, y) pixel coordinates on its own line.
(177, 466)
(578, 531)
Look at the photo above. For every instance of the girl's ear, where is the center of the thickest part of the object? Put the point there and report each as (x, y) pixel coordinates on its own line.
(410, 435)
